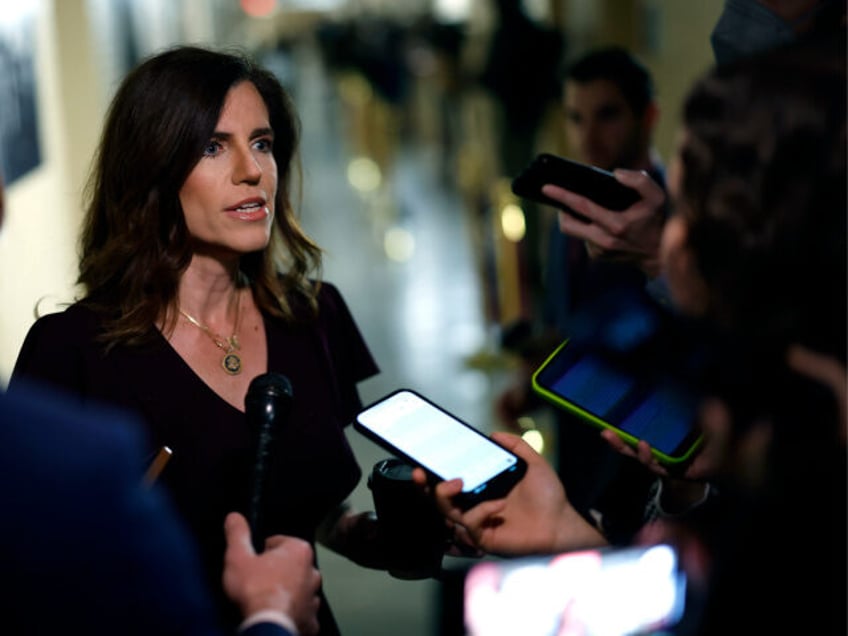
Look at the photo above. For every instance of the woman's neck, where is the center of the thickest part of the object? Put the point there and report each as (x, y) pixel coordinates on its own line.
(207, 289)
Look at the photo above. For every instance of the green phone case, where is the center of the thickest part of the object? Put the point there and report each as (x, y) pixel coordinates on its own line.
(592, 419)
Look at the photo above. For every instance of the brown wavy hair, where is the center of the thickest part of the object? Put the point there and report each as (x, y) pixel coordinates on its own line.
(135, 245)
(764, 194)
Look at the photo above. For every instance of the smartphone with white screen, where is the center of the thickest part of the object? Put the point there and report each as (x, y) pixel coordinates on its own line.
(412, 427)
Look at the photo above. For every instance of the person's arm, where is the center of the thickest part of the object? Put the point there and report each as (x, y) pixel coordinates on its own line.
(280, 585)
(534, 518)
(827, 370)
(632, 235)
(354, 535)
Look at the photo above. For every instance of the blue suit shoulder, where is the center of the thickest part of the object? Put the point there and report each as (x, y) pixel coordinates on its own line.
(83, 541)
(86, 547)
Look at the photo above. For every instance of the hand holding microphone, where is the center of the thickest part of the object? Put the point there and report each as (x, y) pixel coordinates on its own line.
(267, 405)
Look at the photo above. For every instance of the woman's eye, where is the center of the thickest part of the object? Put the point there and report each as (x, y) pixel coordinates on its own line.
(264, 144)
(211, 149)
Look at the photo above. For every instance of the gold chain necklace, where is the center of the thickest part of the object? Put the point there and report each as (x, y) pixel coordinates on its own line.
(231, 362)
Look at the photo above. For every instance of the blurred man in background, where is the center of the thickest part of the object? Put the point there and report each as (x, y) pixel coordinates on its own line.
(610, 117)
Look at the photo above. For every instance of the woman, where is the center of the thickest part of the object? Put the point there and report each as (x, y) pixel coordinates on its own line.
(196, 279)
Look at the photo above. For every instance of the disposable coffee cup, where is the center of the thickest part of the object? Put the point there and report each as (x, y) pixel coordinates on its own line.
(409, 525)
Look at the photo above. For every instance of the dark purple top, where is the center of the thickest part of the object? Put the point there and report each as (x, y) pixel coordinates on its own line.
(209, 472)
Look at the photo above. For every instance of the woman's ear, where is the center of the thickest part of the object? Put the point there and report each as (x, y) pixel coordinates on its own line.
(687, 287)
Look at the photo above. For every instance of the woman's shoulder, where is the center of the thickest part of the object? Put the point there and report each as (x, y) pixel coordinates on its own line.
(321, 296)
(75, 319)
(328, 293)
(56, 344)
(332, 307)
(75, 328)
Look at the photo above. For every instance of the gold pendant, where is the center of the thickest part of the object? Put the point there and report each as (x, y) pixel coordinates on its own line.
(231, 364)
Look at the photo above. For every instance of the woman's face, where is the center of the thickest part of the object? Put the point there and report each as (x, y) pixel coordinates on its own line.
(686, 286)
(228, 198)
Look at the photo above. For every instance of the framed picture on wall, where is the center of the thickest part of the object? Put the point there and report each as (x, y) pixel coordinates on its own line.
(20, 149)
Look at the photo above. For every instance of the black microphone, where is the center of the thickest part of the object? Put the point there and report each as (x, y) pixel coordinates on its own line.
(267, 406)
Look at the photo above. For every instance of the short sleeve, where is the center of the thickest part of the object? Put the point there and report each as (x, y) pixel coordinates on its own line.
(346, 348)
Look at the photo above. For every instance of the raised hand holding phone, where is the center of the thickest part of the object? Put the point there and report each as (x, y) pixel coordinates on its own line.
(533, 517)
(632, 235)
(620, 215)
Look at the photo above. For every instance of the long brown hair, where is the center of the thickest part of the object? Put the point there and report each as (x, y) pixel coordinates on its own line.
(764, 183)
(135, 245)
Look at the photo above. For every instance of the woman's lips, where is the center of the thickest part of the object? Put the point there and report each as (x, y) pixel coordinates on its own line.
(249, 211)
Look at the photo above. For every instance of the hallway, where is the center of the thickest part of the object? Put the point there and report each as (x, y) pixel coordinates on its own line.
(421, 318)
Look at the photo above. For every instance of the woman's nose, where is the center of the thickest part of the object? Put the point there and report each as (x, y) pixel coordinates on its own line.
(246, 168)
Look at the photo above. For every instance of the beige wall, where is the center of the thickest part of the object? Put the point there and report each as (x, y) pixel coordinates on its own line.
(36, 245)
(684, 54)
(44, 209)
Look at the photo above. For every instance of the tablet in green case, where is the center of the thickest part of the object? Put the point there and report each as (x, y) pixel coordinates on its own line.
(658, 409)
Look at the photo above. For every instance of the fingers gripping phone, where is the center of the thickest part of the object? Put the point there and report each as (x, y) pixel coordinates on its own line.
(412, 427)
(593, 183)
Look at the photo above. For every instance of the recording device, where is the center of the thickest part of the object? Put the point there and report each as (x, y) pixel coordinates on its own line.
(634, 590)
(267, 405)
(631, 367)
(593, 183)
(424, 434)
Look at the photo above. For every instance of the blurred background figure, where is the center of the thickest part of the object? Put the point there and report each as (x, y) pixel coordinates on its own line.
(520, 72)
(610, 112)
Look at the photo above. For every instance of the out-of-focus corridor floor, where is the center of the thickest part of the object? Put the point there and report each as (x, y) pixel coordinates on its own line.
(422, 319)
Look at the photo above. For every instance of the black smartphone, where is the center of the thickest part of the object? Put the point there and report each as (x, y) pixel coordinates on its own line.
(593, 183)
(415, 429)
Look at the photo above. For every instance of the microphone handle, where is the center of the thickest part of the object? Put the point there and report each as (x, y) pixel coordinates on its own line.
(260, 471)
(267, 405)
